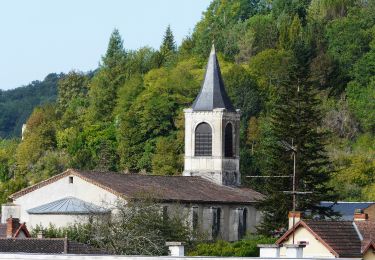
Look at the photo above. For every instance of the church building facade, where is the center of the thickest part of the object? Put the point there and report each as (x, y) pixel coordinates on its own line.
(209, 189)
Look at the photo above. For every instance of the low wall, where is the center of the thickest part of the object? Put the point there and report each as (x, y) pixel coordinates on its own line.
(4, 256)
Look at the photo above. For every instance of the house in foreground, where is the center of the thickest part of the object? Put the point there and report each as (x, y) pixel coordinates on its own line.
(332, 239)
(209, 191)
(12, 228)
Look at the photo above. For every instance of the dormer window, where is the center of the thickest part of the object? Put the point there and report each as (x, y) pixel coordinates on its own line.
(203, 140)
(70, 179)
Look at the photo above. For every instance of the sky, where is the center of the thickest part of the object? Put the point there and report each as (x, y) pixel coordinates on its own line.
(38, 37)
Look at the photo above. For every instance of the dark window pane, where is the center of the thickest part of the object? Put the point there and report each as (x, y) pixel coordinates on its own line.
(242, 223)
(228, 141)
(195, 218)
(216, 215)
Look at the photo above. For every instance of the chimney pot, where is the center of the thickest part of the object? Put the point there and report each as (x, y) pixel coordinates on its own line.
(359, 215)
(40, 234)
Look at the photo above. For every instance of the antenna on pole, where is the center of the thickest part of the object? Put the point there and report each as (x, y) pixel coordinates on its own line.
(289, 147)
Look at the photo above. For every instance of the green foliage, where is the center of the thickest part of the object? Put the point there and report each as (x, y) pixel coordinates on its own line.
(138, 228)
(243, 248)
(71, 86)
(17, 104)
(127, 115)
(167, 159)
(296, 119)
(7, 161)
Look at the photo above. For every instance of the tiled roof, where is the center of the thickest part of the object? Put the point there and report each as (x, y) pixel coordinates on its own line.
(17, 227)
(165, 188)
(340, 237)
(46, 246)
(68, 205)
(212, 94)
(367, 230)
(346, 209)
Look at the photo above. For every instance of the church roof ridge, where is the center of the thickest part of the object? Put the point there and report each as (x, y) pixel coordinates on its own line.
(212, 94)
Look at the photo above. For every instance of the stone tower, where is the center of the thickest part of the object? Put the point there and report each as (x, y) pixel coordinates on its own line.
(212, 131)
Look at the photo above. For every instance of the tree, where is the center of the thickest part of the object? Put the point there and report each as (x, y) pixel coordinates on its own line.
(271, 69)
(167, 159)
(167, 49)
(138, 226)
(115, 54)
(103, 87)
(296, 119)
(253, 133)
(71, 86)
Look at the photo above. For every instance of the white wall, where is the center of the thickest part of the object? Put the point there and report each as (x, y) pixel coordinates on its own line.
(56, 220)
(59, 189)
(313, 249)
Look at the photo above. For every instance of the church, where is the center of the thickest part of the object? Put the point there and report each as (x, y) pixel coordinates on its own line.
(209, 188)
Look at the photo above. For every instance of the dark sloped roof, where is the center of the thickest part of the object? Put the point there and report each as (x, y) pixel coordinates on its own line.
(165, 188)
(346, 209)
(68, 205)
(172, 188)
(340, 237)
(212, 94)
(367, 230)
(46, 246)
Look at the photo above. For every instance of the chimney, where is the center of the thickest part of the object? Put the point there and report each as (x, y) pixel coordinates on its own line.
(12, 223)
(360, 215)
(40, 234)
(269, 250)
(297, 217)
(176, 248)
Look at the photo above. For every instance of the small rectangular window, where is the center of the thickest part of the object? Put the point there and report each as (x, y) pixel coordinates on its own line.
(70, 179)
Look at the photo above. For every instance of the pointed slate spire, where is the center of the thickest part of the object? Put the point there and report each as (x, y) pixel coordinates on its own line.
(212, 94)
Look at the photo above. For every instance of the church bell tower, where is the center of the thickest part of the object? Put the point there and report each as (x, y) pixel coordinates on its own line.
(212, 131)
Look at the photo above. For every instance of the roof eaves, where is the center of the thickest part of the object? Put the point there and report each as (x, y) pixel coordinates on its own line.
(40, 184)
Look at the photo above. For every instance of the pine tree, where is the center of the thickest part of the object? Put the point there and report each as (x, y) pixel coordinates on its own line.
(167, 49)
(115, 55)
(168, 44)
(296, 119)
(104, 86)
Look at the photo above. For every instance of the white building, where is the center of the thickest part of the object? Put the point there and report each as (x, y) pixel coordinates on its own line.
(209, 188)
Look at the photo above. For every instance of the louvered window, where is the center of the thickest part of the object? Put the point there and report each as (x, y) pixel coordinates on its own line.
(203, 140)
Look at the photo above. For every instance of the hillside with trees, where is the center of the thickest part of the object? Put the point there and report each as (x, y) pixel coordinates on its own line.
(17, 104)
(300, 71)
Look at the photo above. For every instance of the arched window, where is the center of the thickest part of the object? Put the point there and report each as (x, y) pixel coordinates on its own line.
(228, 144)
(203, 140)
